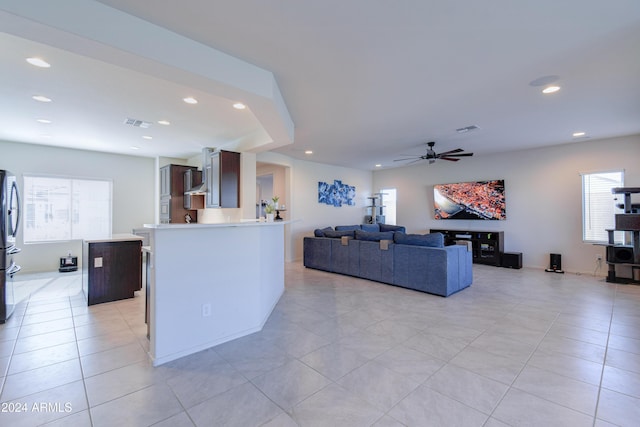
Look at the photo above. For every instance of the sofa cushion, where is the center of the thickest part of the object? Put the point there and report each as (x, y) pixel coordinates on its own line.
(373, 236)
(433, 240)
(388, 227)
(337, 234)
(319, 232)
(370, 227)
(348, 227)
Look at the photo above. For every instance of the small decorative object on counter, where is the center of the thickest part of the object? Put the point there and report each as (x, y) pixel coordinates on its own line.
(187, 218)
(275, 200)
(268, 210)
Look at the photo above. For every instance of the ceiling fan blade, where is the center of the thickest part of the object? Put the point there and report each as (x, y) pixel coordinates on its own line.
(415, 161)
(457, 150)
(459, 155)
(451, 159)
(408, 158)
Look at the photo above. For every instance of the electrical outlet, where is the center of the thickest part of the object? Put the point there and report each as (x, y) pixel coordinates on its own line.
(206, 310)
(598, 257)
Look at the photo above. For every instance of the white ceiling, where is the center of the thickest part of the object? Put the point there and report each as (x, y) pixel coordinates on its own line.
(364, 82)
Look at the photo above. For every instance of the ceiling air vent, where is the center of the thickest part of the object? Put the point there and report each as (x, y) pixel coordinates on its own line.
(467, 129)
(137, 123)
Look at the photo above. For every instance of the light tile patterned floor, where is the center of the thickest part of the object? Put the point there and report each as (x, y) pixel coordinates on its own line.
(520, 347)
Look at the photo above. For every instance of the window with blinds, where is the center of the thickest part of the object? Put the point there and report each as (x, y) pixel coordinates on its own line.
(598, 205)
(58, 209)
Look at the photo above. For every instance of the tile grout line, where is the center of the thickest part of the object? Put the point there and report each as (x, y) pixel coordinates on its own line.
(13, 349)
(84, 384)
(606, 351)
(523, 368)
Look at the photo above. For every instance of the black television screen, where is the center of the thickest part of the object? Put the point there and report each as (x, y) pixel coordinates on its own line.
(470, 200)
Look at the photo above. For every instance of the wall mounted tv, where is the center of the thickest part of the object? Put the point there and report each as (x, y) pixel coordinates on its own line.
(483, 200)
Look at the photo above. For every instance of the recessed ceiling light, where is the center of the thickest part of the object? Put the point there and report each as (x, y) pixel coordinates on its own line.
(133, 147)
(550, 89)
(190, 100)
(579, 134)
(45, 121)
(164, 122)
(378, 165)
(45, 135)
(308, 152)
(41, 98)
(38, 62)
(147, 137)
(239, 106)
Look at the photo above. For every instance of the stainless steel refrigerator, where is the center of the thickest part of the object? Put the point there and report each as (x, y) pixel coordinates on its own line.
(9, 223)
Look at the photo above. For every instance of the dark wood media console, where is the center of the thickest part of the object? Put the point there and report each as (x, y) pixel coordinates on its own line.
(488, 246)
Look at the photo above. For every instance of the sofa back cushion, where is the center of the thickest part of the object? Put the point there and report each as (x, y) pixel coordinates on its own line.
(337, 234)
(319, 232)
(370, 227)
(373, 236)
(348, 227)
(433, 240)
(388, 227)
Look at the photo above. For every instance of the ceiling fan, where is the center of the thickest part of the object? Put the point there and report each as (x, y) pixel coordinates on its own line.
(432, 156)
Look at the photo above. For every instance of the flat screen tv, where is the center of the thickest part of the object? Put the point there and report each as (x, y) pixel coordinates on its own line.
(483, 200)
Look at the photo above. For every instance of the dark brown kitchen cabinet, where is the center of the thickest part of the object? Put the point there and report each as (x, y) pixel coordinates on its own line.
(222, 173)
(111, 270)
(172, 208)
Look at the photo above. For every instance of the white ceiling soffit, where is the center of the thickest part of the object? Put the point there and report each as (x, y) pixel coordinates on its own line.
(97, 31)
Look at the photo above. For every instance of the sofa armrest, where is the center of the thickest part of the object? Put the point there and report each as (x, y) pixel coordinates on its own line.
(439, 271)
(317, 252)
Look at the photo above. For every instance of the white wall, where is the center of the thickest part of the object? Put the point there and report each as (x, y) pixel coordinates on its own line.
(311, 214)
(543, 193)
(133, 191)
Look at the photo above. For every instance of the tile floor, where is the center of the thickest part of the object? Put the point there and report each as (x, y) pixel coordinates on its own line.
(520, 347)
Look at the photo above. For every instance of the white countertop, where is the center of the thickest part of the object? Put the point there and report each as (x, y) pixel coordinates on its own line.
(242, 223)
(122, 237)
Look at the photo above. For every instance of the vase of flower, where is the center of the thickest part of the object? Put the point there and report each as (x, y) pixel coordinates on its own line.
(269, 210)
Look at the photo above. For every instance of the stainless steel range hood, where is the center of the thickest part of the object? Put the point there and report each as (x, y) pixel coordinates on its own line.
(202, 187)
(197, 190)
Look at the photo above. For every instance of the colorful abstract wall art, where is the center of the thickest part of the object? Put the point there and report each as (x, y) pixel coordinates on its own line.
(336, 194)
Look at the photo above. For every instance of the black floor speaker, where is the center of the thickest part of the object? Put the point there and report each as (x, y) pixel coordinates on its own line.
(512, 259)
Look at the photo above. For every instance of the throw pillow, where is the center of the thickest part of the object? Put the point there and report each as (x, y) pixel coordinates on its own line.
(388, 227)
(433, 240)
(337, 234)
(319, 232)
(371, 227)
(373, 236)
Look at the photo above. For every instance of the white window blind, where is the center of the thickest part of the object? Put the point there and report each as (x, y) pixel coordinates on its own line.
(598, 205)
(57, 208)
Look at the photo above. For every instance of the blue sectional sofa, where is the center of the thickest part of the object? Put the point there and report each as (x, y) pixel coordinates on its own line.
(389, 255)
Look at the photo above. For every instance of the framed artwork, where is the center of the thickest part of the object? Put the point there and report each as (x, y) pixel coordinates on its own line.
(336, 194)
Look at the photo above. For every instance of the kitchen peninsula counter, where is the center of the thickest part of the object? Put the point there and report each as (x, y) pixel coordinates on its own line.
(211, 283)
